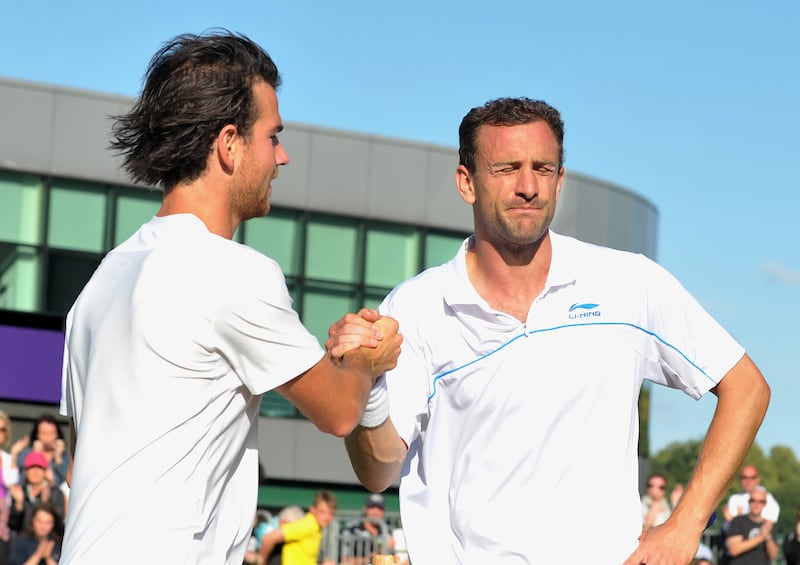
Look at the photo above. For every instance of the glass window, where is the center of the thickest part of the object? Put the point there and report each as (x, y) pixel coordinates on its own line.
(67, 274)
(20, 207)
(20, 273)
(373, 297)
(440, 248)
(77, 217)
(273, 405)
(392, 255)
(331, 252)
(134, 208)
(323, 305)
(277, 236)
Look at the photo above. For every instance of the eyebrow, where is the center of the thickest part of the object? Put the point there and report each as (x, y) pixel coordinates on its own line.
(518, 163)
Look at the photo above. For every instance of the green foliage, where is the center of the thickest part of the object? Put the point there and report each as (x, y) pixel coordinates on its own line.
(779, 470)
(644, 421)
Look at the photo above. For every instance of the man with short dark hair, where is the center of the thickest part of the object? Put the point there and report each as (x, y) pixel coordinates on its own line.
(522, 363)
(179, 332)
(751, 539)
(369, 534)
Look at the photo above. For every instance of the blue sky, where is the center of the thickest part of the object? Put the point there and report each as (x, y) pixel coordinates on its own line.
(693, 105)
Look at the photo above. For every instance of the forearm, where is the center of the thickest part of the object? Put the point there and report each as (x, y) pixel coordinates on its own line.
(268, 543)
(772, 548)
(332, 396)
(377, 455)
(738, 545)
(743, 396)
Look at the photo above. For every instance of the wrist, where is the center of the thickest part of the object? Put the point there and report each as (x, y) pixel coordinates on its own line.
(376, 412)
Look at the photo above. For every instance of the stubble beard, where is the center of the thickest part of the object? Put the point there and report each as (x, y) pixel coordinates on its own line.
(251, 201)
(520, 234)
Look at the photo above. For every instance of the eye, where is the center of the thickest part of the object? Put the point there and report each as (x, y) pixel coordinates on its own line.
(504, 169)
(275, 140)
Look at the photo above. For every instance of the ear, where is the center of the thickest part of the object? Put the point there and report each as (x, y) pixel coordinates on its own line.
(560, 182)
(464, 185)
(227, 146)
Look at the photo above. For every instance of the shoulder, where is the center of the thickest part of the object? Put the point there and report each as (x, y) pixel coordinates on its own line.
(591, 259)
(418, 293)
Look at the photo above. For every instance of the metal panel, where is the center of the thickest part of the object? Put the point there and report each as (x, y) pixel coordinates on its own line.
(339, 165)
(81, 133)
(445, 208)
(290, 189)
(26, 115)
(397, 176)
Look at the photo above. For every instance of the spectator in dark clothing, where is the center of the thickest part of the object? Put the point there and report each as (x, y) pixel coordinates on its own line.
(32, 491)
(369, 534)
(40, 543)
(791, 543)
(751, 539)
(47, 437)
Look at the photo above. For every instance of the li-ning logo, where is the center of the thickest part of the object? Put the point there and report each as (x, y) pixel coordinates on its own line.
(586, 310)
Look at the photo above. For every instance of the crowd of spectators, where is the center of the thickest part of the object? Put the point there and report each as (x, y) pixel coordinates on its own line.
(34, 500)
(747, 534)
(33, 492)
(318, 537)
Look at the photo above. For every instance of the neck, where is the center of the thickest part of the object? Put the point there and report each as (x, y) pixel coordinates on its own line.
(509, 279)
(204, 202)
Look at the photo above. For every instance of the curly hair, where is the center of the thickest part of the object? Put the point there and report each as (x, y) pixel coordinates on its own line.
(506, 112)
(194, 86)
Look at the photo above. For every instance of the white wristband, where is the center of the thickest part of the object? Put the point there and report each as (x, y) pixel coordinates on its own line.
(377, 410)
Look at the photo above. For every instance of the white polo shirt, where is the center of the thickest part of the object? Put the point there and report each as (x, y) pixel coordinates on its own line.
(516, 430)
(168, 349)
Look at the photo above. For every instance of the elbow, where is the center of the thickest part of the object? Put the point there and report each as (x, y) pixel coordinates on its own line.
(342, 423)
(373, 484)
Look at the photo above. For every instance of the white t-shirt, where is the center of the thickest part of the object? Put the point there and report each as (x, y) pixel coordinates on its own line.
(168, 349)
(739, 505)
(514, 430)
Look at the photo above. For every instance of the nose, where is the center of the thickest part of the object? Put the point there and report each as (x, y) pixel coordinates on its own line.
(281, 156)
(527, 184)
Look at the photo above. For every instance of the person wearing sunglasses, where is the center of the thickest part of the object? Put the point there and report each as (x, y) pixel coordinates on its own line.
(656, 507)
(751, 538)
(739, 503)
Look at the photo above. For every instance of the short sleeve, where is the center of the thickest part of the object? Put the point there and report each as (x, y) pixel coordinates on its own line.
(261, 335)
(299, 529)
(693, 349)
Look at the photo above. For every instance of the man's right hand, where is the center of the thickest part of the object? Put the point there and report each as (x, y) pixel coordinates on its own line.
(377, 334)
(353, 331)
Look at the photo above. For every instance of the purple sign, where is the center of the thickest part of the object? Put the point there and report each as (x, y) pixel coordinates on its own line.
(30, 364)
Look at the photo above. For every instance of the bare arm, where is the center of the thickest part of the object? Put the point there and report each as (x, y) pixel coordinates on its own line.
(742, 400)
(377, 455)
(738, 545)
(269, 541)
(333, 393)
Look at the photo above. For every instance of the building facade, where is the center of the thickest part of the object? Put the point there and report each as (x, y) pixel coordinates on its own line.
(352, 215)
